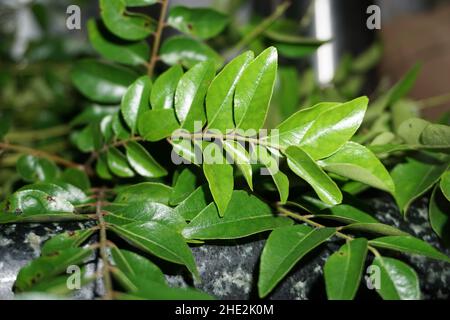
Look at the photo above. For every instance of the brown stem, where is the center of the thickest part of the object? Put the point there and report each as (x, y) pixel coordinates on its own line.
(104, 244)
(158, 34)
(40, 153)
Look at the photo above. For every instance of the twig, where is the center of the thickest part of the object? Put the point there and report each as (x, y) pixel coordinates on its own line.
(40, 153)
(33, 135)
(104, 244)
(157, 41)
(306, 219)
(259, 29)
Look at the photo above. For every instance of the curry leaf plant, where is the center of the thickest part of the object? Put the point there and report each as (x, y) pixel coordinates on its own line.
(176, 143)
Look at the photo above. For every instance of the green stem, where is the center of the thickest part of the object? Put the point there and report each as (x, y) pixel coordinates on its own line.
(434, 101)
(33, 135)
(157, 41)
(258, 30)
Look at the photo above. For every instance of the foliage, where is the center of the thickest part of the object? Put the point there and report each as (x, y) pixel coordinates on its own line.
(196, 105)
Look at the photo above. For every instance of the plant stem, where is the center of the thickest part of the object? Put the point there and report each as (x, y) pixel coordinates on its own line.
(33, 135)
(306, 219)
(259, 29)
(434, 101)
(158, 34)
(103, 248)
(40, 153)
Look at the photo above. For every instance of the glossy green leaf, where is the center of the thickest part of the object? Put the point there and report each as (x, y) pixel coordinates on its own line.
(221, 182)
(155, 125)
(398, 281)
(77, 178)
(254, 91)
(203, 23)
(135, 269)
(101, 168)
(445, 184)
(124, 24)
(66, 240)
(245, 215)
(188, 52)
(439, 214)
(143, 211)
(142, 162)
(119, 127)
(46, 267)
(358, 163)
(219, 100)
(293, 50)
(145, 191)
(343, 270)
(346, 213)
(158, 240)
(305, 167)
(85, 138)
(135, 101)
(283, 249)
(183, 187)
(408, 244)
(378, 228)
(280, 179)
(101, 82)
(240, 158)
(190, 94)
(194, 203)
(163, 93)
(139, 3)
(118, 164)
(131, 53)
(414, 178)
(60, 190)
(32, 168)
(333, 129)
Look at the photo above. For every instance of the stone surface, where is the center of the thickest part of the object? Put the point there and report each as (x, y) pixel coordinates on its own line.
(229, 270)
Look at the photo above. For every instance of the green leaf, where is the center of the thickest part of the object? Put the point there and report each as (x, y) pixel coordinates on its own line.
(46, 267)
(436, 135)
(139, 3)
(445, 184)
(126, 25)
(135, 101)
(66, 240)
(101, 168)
(186, 150)
(143, 211)
(155, 125)
(292, 50)
(333, 129)
(254, 91)
(156, 291)
(343, 270)
(190, 94)
(241, 158)
(379, 228)
(203, 23)
(142, 162)
(408, 244)
(32, 168)
(85, 139)
(305, 167)
(118, 164)
(286, 91)
(358, 163)
(398, 281)
(119, 127)
(284, 248)
(414, 178)
(129, 53)
(163, 93)
(221, 182)
(411, 129)
(194, 203)
(60, 190)
(438, 213)
(101, 82)
(93, 113)
(245, 215)
(158, 240)
(145, 191)
(219, 100)
(280, 179)
(135, 269)
(183, 187)
(188, 52)
(77, 178)
(346, 213)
